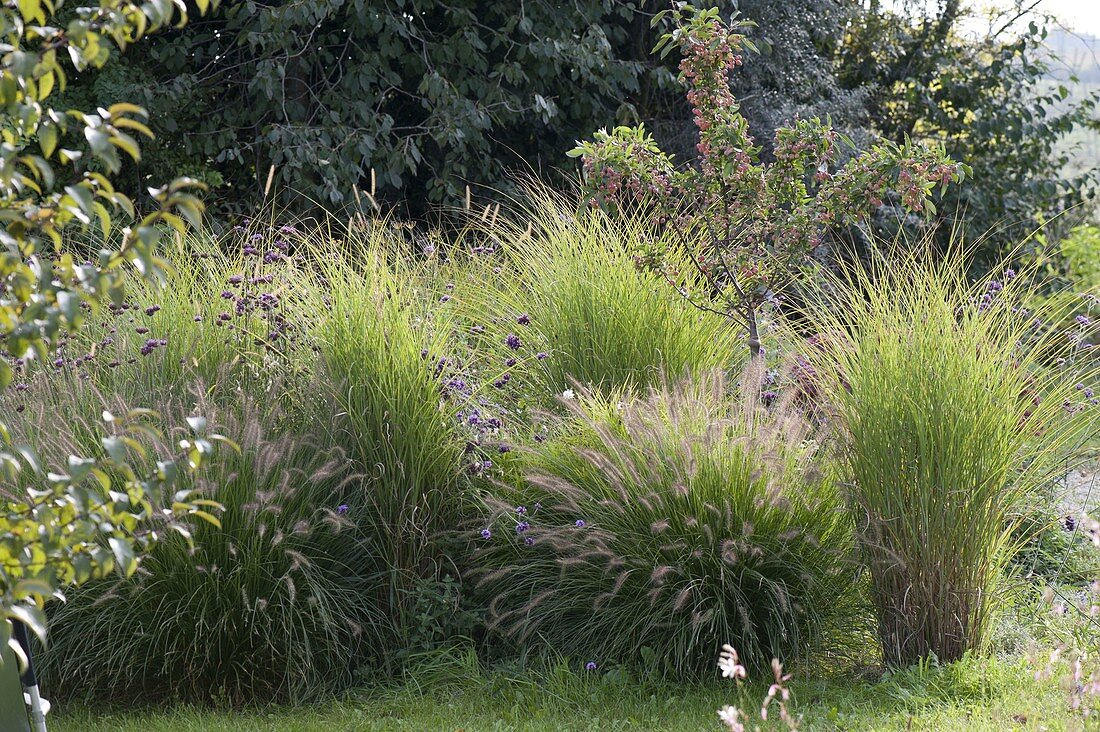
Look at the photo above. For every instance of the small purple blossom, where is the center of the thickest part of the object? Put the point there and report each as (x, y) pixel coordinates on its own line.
(522, 526)
(512, 341)
(524, 319)
(542, 355)
(342, 508)
(528, 540)
(520, 510)
(590, 666)
(1082, 320)
(579, 523)
(486, 534)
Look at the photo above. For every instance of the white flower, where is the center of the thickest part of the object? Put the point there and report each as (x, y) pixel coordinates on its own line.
(568, 394)
(730, 664)
(731, 717)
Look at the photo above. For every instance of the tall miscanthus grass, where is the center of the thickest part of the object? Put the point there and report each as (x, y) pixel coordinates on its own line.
(954, 406)
(595, 315)
(383, 343)
(278, 604)
(664, 526)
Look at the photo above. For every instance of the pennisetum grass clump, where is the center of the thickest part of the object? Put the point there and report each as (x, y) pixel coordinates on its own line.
(665, 525)
(955, 405)
(278, 604)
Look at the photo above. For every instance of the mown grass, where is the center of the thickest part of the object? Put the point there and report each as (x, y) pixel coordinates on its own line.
(990, 694)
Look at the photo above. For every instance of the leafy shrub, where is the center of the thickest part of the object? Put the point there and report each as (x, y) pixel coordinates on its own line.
(276, 605)
(1081, 254)
(58, 535)
(986, 88)
(663, 526)
(956, 407)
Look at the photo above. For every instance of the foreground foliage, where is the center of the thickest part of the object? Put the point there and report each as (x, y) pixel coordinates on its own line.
(68, 523)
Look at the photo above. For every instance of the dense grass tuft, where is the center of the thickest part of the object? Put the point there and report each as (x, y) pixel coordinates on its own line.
(273, 605)
(957, 407)
(601, 320)
(659, 529)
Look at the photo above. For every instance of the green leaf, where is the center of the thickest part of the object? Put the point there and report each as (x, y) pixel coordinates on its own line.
(32, 617)
(124, 555)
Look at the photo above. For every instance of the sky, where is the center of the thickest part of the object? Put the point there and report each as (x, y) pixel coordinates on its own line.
(1082, 16)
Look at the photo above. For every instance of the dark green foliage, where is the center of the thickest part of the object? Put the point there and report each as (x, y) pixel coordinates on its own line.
(429, 94)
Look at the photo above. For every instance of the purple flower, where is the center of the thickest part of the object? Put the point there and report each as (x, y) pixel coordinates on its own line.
(445, 298)
(153, 308)
(227, 295)
(1082, 320)
(512, 341)
(486, 534)
(528, 540)
(542, 355)
(522, 526)
(509, 362)
(342, 508)
(520, 510)
(524, 319)
(503, 448)
(579, 523)
(590, 666)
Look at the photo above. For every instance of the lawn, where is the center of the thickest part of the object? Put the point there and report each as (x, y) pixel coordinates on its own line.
(988, 694)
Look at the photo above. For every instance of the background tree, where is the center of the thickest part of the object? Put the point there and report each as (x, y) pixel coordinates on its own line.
(989, 98)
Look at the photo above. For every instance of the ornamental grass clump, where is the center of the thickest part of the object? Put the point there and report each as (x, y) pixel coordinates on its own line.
(384, 343)
(955, 407)
(568, 289)
(276, 605)
(665, 525)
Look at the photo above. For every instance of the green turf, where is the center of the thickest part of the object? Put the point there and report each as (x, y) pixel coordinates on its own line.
(971, 695)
